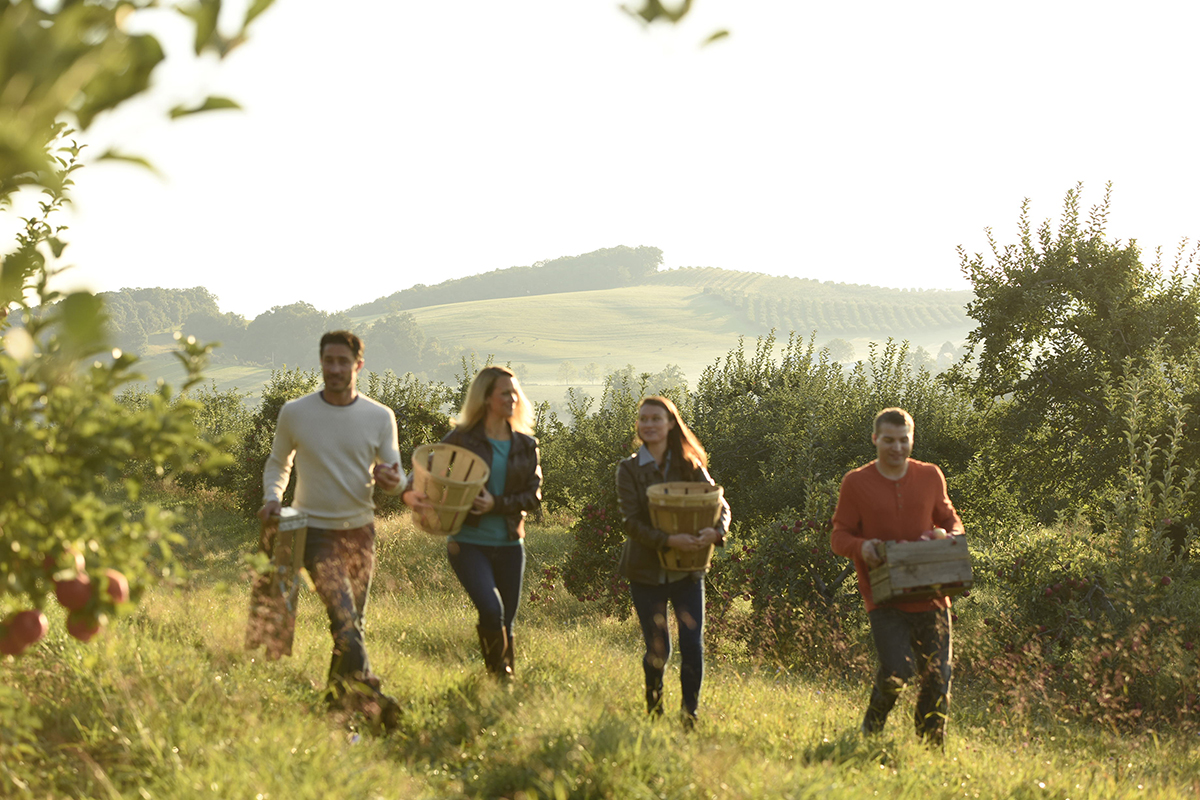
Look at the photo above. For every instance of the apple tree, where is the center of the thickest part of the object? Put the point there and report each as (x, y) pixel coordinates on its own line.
(71, 518)
(1061, 315)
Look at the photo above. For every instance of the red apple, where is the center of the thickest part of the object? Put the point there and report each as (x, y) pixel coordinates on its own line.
(27, 627)
(116, 585)
(82, 626)
(1166, 580)
(75, 593)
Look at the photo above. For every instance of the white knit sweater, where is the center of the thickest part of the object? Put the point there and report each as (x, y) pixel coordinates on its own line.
(334, 449)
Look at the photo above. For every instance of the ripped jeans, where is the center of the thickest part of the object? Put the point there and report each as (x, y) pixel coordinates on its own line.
(686, 597)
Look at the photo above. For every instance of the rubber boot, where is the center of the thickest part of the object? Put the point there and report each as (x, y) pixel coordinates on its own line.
(688, 718)
(654, 692)
(494, 644)
(509, 657)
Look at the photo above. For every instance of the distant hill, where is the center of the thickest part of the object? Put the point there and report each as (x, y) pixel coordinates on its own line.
(606, 268)
(840, 309)
(554, 335)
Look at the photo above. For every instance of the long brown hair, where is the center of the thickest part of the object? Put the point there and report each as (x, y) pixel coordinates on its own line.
(682, 444)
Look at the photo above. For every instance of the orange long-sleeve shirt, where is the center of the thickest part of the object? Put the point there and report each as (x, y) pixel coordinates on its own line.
(871, 506)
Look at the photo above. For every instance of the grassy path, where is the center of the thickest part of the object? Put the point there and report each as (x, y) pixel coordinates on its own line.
(167, 704)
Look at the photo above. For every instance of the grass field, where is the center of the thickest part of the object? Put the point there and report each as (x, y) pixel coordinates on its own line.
(783, 286)
(167, 704)
(649, 327)
(669, 320)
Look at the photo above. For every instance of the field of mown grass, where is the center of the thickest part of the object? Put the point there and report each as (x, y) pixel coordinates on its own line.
(167, 704)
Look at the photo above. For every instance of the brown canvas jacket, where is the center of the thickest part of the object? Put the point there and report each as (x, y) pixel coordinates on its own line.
(639, 557)
(522, 483)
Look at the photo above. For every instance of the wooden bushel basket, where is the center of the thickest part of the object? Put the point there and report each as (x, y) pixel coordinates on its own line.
(272, 621)
(685, 507)
(922, 569)
(451, 478)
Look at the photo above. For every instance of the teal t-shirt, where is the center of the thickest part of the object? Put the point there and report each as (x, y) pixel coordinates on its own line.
(491, 530)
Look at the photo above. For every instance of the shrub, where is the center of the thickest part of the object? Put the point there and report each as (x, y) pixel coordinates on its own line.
(590, 570)
(284, 385)
(421, 417)
(805, 610)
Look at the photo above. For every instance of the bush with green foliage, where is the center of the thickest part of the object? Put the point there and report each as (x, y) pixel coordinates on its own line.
(1058, 312)
(590, 570)
(283, 386)
(65, 435)
(420, 408)
(1098, 619)
(776, 422)
(222, 420)
(805, 611)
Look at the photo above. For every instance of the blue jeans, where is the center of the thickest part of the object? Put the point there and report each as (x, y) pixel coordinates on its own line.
(492, 577)
(340, 563)
(687, 599)
(912, 644)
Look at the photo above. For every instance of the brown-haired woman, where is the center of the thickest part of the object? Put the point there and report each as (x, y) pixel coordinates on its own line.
(669, 451)
(488, 553)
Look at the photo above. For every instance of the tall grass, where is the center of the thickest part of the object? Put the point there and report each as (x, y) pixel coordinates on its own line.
(168, 704)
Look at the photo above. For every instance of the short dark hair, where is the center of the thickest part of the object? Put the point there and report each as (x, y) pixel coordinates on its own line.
(343, 337)
(894, 416)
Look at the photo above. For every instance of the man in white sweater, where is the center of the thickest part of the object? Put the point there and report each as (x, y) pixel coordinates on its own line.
(341, 444)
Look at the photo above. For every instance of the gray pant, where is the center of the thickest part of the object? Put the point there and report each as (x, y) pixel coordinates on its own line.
(912, 644)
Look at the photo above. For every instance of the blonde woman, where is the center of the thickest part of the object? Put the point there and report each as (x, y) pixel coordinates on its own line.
(669, 451)
(488, 554)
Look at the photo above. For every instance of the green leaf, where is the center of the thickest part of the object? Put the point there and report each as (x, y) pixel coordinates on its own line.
(257, 7)
(209, 104)
(113, 155)
(204, 14)
(716, 36)
(83, 321)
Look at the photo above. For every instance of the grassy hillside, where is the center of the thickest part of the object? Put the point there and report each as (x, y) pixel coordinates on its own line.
(671, 321)
(167, 703)
(158, 363)
(610, 327)
(758, 282)
(688, 317)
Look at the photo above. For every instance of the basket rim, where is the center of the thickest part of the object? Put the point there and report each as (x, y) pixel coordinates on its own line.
(434, 446)
(665, 488)
(708, 556)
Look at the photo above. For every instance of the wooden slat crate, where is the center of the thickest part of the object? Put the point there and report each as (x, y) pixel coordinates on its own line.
(922, 569)
(272, 621)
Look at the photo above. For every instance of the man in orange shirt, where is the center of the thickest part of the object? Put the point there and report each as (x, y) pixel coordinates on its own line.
(897, 498)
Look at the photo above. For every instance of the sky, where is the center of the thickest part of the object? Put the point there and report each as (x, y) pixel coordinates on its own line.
(384, 144)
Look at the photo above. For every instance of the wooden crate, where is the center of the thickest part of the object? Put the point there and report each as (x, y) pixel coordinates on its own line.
(922, 569)
(272, 620)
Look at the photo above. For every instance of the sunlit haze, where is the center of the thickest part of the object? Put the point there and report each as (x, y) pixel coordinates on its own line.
(386, 144)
